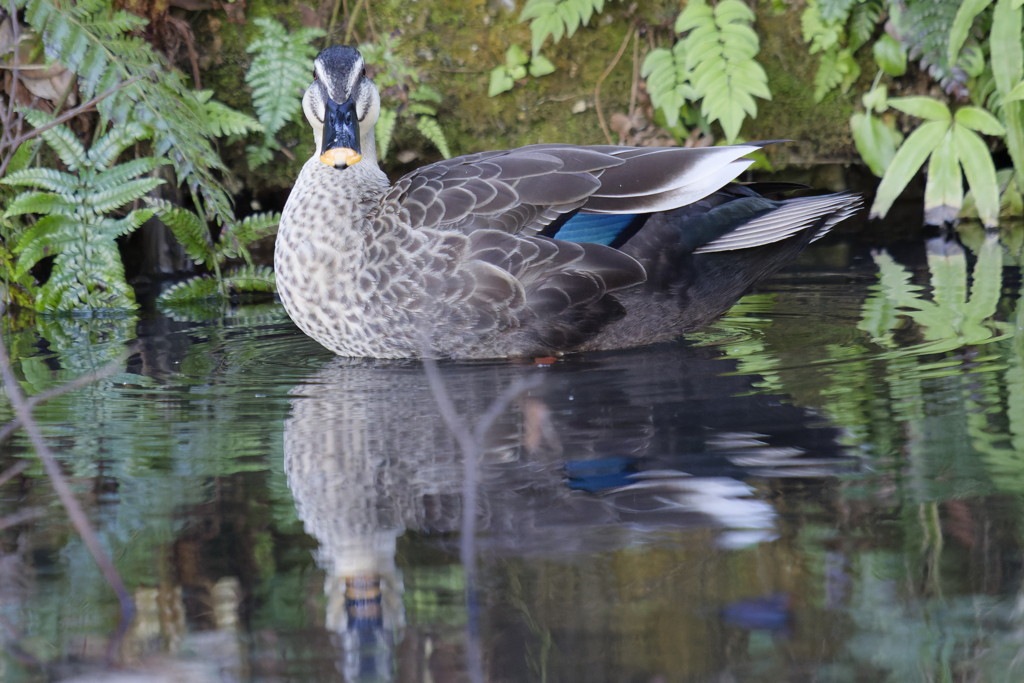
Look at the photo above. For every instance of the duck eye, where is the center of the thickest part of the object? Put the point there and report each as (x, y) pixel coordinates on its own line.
(364, 72)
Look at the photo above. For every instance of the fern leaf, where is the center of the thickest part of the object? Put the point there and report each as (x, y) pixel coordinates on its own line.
(424, 93)
(431, 130)
(197, 288)
(106, 150)
(39, 202)
(121, 173)
(67, 147)
(188, 228)
(282, 65)
(36, 242)
(161, 100)
(51, 179)
(384, 129)
(251, 279)
(717, 60)
(223, 120)
(235, 237)
(119, 195)
(257, 155)
(557, 18)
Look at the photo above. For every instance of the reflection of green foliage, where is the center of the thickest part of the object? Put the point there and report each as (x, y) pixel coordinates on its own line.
(955, 318)
(740, 335)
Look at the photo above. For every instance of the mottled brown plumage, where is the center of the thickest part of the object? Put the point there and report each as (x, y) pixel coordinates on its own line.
(458, 258)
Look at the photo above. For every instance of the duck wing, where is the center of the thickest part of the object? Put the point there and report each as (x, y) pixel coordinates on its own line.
(522, 191)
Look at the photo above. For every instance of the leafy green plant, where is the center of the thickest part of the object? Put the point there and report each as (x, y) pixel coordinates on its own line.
(950, 142)
(515, 67)
(557, 18)
(280, 69)
(194, 235)
(404, 97)
(837, 29)
(75, 225)
(101, 46)
(714, 62)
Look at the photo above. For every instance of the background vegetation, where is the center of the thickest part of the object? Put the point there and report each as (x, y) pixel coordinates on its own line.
(146, 143)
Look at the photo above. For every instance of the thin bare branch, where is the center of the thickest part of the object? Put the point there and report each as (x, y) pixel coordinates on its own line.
(78, 518)
(77, 383)
(14, 470)
(21, 516)
(13, 144)
(472, 445)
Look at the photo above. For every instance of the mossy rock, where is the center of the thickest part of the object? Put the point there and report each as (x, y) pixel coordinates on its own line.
(453, 46)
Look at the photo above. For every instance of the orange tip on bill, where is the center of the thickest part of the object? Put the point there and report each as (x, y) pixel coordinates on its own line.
(340, 156)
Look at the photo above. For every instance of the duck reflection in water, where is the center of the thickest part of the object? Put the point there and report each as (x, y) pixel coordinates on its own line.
(609, 448)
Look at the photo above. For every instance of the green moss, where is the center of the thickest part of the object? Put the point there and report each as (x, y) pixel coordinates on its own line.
(453, 45)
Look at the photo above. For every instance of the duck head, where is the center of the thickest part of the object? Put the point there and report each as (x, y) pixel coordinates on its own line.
(342, 105)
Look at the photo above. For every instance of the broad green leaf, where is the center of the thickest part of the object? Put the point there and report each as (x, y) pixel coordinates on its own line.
(1013, 119)
(876, 99)
(501, 81)
(962, 25)
(905, 164)
(922, 107)
(515, 56)
(980, 120)
(944, 191)
(889, 55)
(1006, 48)
(980, 172)
(544, 26)
(875, 142)
(1016, 93)
(541, 66)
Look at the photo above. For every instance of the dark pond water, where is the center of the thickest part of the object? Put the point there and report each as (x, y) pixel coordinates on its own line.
(827, 485)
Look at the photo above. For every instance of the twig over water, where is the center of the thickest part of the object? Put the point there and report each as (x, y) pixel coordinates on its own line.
(23, 410)
(472, 445)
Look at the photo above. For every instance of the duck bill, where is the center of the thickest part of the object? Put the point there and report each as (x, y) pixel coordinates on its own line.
(341, 135)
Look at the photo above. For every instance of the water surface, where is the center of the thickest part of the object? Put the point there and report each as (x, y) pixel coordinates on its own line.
(827, 485)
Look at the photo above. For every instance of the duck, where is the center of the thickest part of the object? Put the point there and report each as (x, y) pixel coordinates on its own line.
(532, 252)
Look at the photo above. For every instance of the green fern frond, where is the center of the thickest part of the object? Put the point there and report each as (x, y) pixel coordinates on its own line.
(282, 66)
(74, 226)
(197, 288)
(39, 202)
(718, 52)
(119, 195)
(235, 237)
(251, 279)
(98, 44)
(50, 179)
(431, 130)
(223, 120)
(837, 29)
(121, 173)
(557, 18)
(384, 129)
(191, 231)
(242, 280)
(67, 147)
(106, 150)
(668, 81)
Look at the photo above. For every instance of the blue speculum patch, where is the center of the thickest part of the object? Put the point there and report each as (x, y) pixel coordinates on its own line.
(596, 228)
